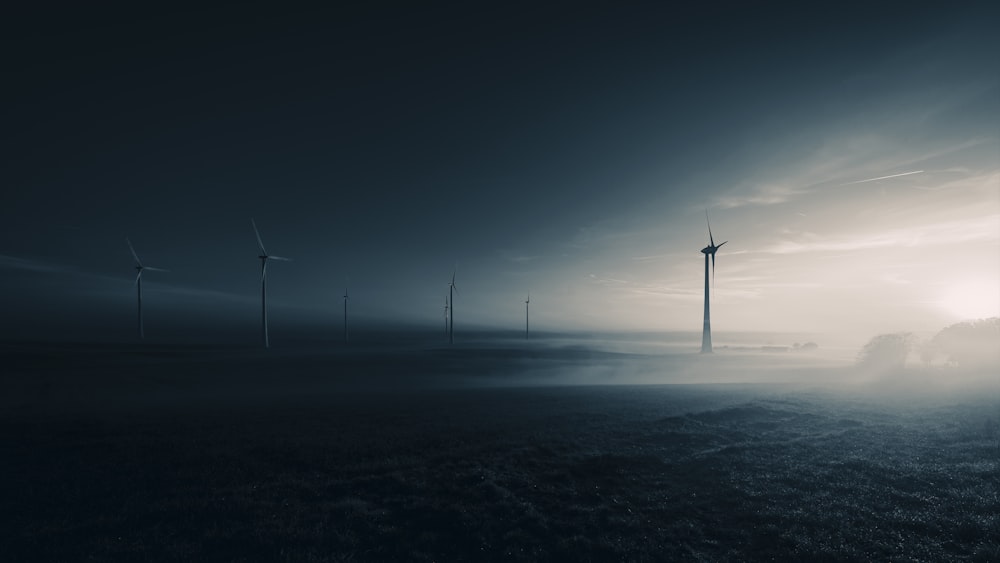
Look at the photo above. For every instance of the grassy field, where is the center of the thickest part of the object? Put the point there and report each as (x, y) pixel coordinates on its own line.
(232, 456)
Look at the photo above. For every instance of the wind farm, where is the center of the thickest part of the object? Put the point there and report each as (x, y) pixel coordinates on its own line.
(830, 394)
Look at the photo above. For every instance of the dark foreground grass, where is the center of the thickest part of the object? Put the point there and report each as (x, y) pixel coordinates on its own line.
(599, 473)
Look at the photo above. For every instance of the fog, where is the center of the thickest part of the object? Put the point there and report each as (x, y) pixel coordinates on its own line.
(72, 376)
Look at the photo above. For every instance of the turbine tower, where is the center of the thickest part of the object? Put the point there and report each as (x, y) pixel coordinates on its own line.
(264, 257)
(527, 303)
(345, 315)
(451, 317)
(139, 269)
(446, 315)
(706, 333)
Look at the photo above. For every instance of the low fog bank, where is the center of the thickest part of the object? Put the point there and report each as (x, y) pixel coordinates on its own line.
(66, 377)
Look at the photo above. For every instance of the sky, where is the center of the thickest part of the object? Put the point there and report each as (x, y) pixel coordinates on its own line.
(849, 154)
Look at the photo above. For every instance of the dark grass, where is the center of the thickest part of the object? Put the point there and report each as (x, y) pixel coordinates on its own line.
(571, 473)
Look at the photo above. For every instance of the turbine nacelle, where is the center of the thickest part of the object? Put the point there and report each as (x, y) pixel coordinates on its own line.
(139, 268)
(710, 249)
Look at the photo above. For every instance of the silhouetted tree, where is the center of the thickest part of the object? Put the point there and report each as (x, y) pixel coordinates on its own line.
(886, 351)
(969, 344)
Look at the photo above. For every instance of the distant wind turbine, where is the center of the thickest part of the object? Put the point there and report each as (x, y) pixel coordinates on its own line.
(527, 303)
(345, 314)
(264, 257)
(452, 290)
(139, 269)
(446, 315)
(706, 333)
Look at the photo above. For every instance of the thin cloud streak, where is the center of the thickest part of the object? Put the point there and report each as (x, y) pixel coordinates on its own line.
(766, 195)
(883, 178)
(14, 263)
(982, 229)
(8, 262)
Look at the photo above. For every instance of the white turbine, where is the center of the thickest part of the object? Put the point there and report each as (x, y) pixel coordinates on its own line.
(706, 331)
(527, 303)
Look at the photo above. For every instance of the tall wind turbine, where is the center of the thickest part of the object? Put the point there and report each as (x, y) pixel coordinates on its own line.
(345, 315)
(451, 294)
(139, 269)
(527, 303)
(706, 333)
(264, 257)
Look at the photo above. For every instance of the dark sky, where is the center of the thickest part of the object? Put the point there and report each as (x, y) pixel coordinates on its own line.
(385, 144)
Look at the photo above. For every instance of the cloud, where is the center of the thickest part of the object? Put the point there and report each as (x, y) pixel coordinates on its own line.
(836, 164)
(199, 293)
(769, 194)
(981, 229)
(662, 256)
(516, 257)
(882, 177)
(41, 267)
(15, 263)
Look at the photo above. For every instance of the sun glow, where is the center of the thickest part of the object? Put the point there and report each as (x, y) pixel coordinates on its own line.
(975, 299)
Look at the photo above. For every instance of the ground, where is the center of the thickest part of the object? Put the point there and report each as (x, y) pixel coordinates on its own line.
(420, 455)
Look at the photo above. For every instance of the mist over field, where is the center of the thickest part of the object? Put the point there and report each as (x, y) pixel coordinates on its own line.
(558, 448)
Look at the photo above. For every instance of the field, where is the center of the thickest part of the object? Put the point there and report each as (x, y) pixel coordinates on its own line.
(483, 453)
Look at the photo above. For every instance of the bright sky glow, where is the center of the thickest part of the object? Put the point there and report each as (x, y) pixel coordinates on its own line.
(974, 299)
(569, 155)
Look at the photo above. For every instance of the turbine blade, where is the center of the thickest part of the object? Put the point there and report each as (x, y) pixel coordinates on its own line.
(134, 255)
(710, 239)
(260, 243)
(282, 258)
(154, 269)
(137, 276)
(721, 243)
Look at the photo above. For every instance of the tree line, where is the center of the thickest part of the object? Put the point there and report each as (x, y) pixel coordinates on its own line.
(968, 345)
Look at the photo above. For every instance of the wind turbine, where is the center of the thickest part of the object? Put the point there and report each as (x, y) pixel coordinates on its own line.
(446, 315)
(139, 269)
(706, 333)
(345, 315)
(527, 303)
(451, 294)
(264, 257)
